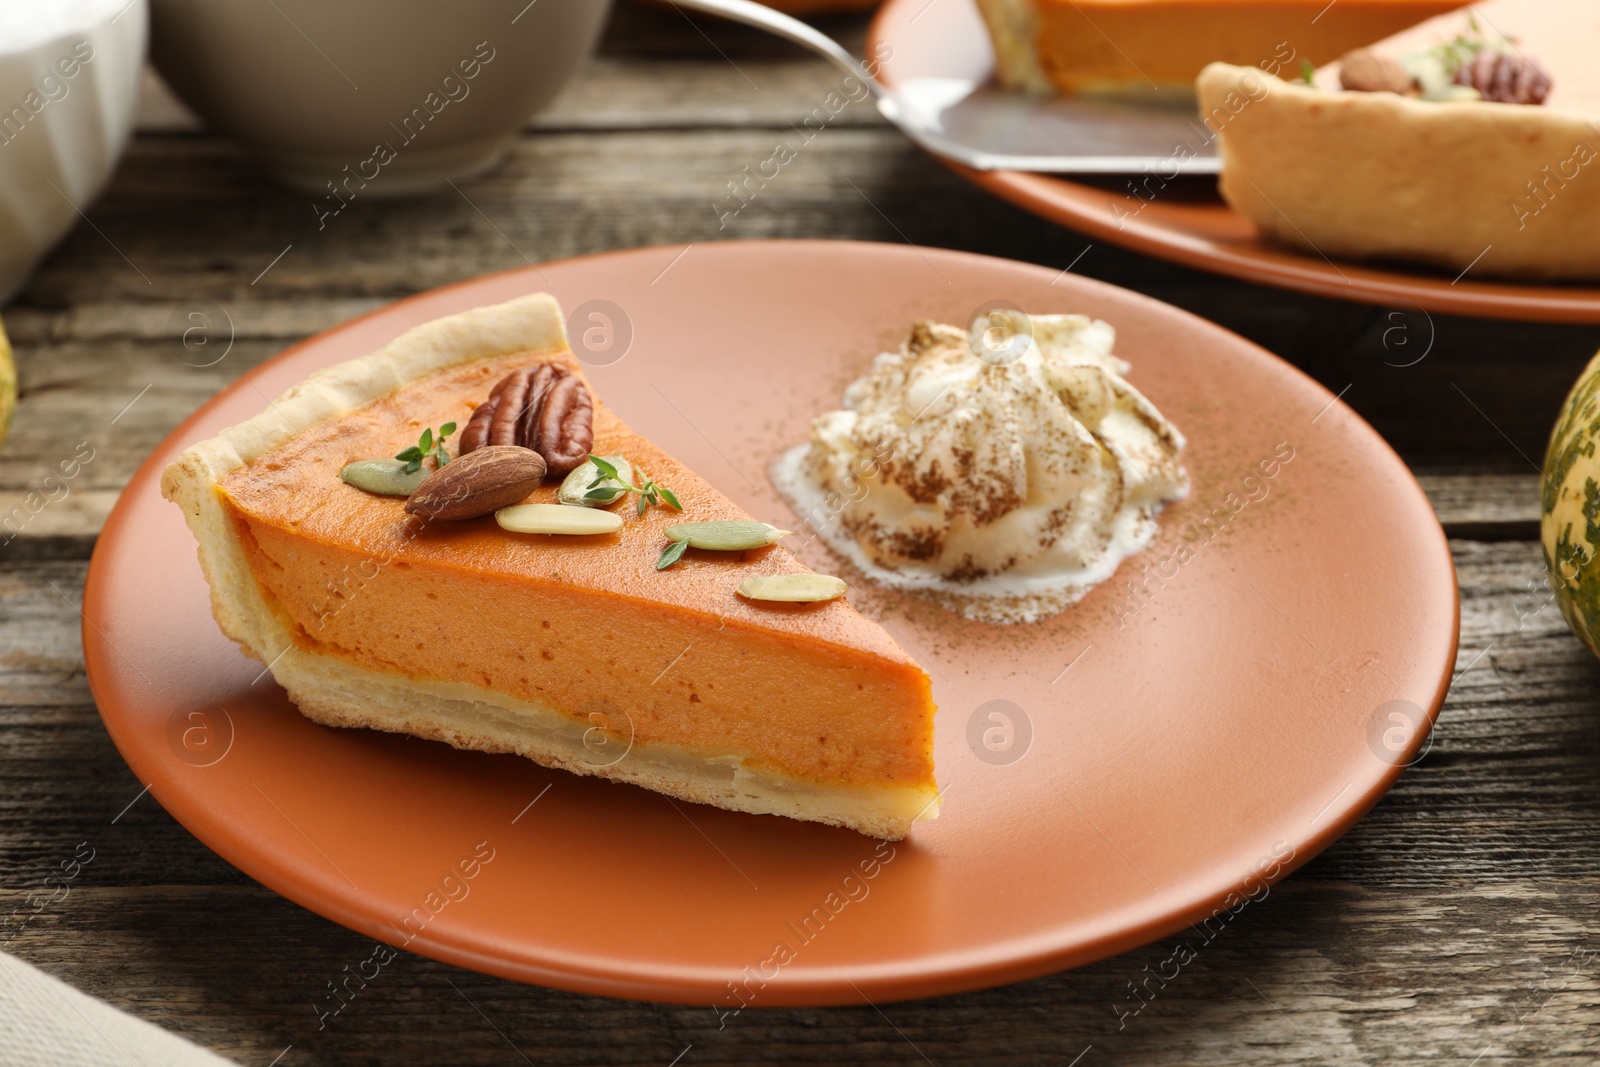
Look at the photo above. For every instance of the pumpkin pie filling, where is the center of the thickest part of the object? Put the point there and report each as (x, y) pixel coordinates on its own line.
(582, 634)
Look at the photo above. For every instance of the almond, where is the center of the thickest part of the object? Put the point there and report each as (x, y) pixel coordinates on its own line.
(1365, 71)
(482, 481)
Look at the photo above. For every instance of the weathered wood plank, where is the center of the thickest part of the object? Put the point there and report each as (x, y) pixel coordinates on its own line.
(611, 93)
(1315, 973)
(1488, 507)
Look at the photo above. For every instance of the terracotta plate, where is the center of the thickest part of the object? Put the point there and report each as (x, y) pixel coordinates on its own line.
(1186, 221)
(1111, 776)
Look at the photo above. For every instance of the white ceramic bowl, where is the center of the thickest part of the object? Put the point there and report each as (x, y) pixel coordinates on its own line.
(353, 98)
(69, 76)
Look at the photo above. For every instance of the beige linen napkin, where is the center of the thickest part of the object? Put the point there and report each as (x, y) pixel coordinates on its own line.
(46, 1023)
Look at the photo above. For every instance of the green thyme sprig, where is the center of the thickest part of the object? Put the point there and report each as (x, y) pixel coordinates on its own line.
(650, 493)
(1464, 47)
(427, 445)
(1308, 73)
(671, 554)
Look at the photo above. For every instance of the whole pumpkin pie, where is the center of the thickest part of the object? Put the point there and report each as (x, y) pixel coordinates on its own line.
(1469, 142)
(574, 651)
(1072, 46)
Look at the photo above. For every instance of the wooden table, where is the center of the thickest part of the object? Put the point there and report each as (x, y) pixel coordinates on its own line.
(1458, 924)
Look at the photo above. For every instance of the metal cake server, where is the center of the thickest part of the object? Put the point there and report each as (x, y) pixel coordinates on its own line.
(986, 128)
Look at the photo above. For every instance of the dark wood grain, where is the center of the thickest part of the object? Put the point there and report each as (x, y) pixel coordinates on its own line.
(1459, 923)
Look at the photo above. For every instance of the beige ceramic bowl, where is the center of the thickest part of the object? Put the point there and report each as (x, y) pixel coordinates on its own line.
(371, 97)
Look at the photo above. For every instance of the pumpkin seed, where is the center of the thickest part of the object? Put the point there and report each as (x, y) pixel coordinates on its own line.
(576, 488)
(556, 519)
(726, 535)
(792, 588)
(386, 477)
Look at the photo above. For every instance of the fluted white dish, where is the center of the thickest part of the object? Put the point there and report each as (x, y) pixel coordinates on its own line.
(69, 75)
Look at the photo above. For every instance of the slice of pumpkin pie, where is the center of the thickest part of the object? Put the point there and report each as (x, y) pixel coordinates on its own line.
(392, 582)
(1469, 142)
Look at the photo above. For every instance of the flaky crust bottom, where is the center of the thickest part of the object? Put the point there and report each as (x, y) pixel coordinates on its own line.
(335, 693)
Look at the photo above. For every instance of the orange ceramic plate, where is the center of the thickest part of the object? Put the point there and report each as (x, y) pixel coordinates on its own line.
(1111, 776)
(1186, 221)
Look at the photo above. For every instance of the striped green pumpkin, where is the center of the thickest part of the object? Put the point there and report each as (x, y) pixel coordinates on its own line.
(1570, 515)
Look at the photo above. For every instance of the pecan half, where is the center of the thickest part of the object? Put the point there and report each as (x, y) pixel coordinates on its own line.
(541, 380)
(1505, 77)
(544, 408)
(476, 433)
(511, 396)
(484, 480)
(566, 426)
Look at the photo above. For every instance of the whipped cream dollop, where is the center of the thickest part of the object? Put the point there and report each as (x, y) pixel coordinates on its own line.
(1005, 471)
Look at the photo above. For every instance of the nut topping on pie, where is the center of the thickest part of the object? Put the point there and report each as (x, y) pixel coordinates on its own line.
(1505, 77)
(1365, 71)
(543, 408)
(566, 426)
(521, 399)
(483, 481)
